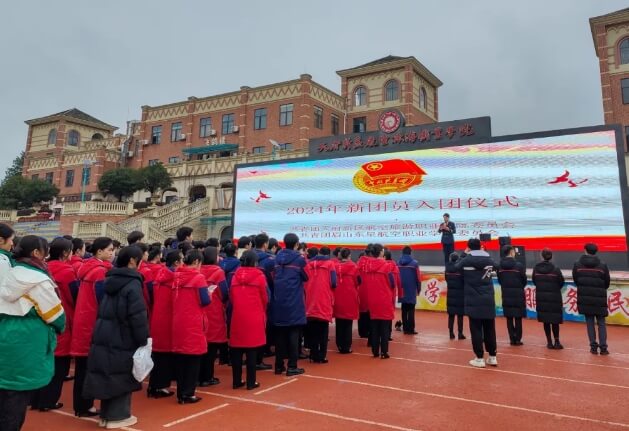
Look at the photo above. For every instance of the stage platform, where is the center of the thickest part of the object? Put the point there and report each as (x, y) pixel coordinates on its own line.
(434, 291)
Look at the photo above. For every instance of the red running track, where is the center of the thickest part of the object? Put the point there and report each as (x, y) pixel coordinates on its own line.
(426, 385)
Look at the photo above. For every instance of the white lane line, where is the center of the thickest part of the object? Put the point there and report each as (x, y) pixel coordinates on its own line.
(275, 387)
(501, 353)
(196, 415)
(467, 400)
(61, 412)
(498, 370)
(311, 411)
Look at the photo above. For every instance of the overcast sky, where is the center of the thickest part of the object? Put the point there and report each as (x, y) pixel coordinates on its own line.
(529, 65)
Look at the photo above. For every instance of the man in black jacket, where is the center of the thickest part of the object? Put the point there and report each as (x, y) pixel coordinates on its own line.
(447, 229)
(591, 276)
(480, 305)
(512, 279)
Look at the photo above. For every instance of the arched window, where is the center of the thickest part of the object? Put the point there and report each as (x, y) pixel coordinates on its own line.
(74, 138)
(360, 96)
(391, 90)
(624, 51)
(422, 98)
(52, 137)
(97, 136)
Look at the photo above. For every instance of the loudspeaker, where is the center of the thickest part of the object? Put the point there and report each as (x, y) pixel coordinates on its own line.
(520, 254)
(484, 237)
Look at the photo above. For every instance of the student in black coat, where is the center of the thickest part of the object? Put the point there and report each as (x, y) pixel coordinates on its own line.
(592, 279)
(512, 279)
(480, 305)
(121, 327)
(454, 300)
(548, 282)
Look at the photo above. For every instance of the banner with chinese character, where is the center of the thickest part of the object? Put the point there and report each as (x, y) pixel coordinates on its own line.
(560, 191)
(434, 292)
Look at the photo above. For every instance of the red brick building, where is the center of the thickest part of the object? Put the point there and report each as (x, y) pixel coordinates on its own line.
(71, 150)
(611, 41)
(289, 113)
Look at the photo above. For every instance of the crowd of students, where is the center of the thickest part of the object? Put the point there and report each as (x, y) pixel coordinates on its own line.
(471, 293)
(240, 303)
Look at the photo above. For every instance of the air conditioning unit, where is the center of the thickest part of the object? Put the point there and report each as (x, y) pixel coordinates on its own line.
(143, 141)
(129, 154)
(234, 129)
(207, 142)
(183, 137)
(213, 132)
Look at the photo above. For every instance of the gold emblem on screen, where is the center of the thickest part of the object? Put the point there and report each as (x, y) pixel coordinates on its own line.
(388, 176)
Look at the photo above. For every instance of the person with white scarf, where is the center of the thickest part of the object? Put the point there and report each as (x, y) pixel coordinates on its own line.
(31, 316)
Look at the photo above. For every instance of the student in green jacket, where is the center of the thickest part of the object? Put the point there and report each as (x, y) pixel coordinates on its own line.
(31, 316)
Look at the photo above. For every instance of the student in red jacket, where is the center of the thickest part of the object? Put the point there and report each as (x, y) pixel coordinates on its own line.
(216, 333)
(397, 290)
(345, 300)
(364, 324)
(320, 303)
(248, 294)
(78, 251)
(149, 268)
(91, 291)
(64, 276)
(190, 296)
(378, 278)
(161, 325)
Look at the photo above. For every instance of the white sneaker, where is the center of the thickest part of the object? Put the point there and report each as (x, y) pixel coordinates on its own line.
(478, 363)
(102, 423)
(132, 420)
(492, 361)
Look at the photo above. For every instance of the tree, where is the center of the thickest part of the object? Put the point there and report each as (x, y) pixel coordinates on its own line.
(19, 192)
(119, 182)
(15, 169)
(154, 178)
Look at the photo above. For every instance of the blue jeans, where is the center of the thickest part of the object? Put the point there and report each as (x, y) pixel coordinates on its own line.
(602, 331)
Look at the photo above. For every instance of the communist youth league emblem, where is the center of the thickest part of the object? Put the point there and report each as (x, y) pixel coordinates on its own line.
(388, 176)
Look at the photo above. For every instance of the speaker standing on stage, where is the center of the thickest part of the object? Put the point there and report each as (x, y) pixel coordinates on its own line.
(447, 229)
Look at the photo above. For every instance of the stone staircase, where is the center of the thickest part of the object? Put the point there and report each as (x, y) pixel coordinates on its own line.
(157, 224)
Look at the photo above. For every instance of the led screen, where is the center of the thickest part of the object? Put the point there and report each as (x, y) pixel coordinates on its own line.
(553, 191)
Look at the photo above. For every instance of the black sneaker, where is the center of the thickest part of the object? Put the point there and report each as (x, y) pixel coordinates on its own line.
(604, 351)
(452, 337)
(594, 350)
(294, 372)
(254, 386)
(462, 337)
(550, 346)
(558, 345)
(189, 400)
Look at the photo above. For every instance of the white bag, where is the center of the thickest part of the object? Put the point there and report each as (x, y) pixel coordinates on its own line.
(142, 362)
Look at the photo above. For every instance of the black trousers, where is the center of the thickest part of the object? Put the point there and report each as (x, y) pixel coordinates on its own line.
(13, 405)
(116, 409)
(187, 372)
(408, 318)
(483, 332)
(380, 333)
(514, 326)
(206, 369)
(250, 353)
(286, 346)
(80, 404)
(448, 249)
(364, 325)
(318, 332)
(459, 323)
(223, 354)
(49, 395)
(163, 372)
(344, 335)
(555, 329)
